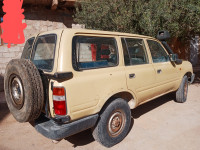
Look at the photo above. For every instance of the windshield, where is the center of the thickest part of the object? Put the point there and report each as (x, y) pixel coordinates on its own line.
(44, 49)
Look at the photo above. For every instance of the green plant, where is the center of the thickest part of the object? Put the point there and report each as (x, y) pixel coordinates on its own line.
(180, 18)
(111, 15)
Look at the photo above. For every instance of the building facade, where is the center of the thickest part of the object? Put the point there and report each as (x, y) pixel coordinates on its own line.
(43, 15)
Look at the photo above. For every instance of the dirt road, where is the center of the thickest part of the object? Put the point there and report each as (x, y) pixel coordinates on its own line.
(161, 124)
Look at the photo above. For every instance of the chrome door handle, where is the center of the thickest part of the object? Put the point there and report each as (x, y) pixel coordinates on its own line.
(159, 71)
(132, 75)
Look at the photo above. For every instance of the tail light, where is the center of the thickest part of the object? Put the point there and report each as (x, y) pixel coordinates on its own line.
(59, 101)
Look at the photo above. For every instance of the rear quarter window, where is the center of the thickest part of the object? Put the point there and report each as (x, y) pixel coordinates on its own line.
(26, 54)
(44, 50)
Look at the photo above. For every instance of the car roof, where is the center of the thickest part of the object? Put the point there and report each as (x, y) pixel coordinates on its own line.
(100, 32)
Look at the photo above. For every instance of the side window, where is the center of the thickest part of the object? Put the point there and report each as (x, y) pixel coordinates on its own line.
(95, 52)
(27, 48)
(134, 51)
(126, 54)
(157, 52)
(44, 49)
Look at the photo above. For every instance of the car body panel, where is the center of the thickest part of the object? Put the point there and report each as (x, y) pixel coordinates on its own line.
(89, 90)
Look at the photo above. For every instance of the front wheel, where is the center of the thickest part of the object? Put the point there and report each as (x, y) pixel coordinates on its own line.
(181, 93)
(113, 124)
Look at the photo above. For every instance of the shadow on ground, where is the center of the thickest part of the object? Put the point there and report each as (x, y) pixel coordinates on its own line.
(4, 111)
(85, 137)
(1, 83)
(145, 108)
(82, 138)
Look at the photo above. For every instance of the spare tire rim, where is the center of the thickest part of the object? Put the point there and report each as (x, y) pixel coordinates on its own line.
(16, 91)
(116, 123)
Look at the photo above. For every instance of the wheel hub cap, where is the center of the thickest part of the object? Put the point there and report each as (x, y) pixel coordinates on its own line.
(116, 123)
(17, 92)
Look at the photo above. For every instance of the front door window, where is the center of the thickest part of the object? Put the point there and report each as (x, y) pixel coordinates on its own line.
(157, 52)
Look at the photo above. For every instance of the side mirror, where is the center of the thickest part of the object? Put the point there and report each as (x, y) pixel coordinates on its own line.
(178, 61)
(173, 57)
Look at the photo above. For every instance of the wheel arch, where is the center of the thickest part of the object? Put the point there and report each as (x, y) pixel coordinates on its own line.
(125, 95)
(189, 75)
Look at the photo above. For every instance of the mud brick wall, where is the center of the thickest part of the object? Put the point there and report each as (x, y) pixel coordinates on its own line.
(38, 19)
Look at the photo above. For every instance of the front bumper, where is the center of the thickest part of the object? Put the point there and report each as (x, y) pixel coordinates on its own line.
(54, 131)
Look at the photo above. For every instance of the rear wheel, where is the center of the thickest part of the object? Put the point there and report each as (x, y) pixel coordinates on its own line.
(23, 90)
(113, 124)
(181, 93)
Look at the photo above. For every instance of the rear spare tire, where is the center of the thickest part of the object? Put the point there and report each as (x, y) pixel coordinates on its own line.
(23, 90)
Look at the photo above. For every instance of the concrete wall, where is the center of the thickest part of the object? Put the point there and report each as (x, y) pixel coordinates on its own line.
(37, 19)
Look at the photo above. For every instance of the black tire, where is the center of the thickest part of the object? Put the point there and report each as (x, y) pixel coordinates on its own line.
(23, 90)
(103, 132)
(181, 93)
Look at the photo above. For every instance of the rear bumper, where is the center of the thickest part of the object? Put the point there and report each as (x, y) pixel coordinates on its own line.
(54, 131)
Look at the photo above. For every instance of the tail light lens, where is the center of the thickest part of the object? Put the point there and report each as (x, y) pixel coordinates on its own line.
(59, 101)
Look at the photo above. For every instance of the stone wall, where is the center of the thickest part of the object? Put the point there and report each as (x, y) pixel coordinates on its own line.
(38, 19)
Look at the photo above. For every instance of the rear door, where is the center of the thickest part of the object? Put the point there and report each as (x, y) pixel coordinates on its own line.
(140, 73)
(166, 71)
(97, 72)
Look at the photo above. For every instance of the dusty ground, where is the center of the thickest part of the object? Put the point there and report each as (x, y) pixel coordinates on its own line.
(161, 124)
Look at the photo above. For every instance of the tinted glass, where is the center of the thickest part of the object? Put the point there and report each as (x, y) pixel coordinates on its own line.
(95, 52)
(157, 52)
(27, 48)
(44, 50)
(134, 51)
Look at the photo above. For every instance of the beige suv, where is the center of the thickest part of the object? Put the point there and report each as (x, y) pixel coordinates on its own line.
(70, 80)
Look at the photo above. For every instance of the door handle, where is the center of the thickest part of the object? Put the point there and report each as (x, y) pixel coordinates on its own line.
(132, 75)
(159, 71)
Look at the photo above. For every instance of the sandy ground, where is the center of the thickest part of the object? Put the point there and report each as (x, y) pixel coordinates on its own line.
(160, 124)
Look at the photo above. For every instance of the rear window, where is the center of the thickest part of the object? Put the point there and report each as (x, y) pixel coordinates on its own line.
(95, 52)
(26, 54)
(44, 51)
